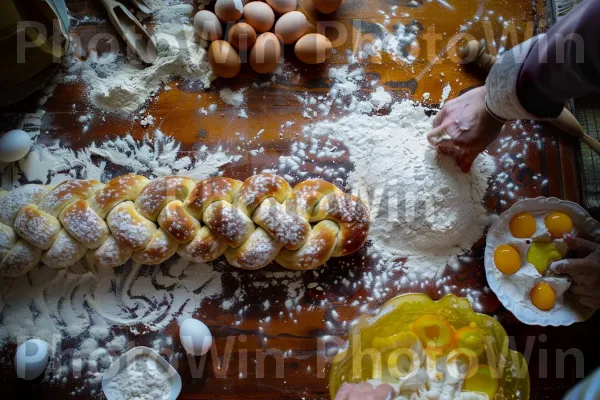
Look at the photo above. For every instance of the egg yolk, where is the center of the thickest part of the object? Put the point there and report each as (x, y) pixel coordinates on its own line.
(558, 223)
(541, 255)
(543, 296)
(485, 380)
(470, 338)
(507, 259)
(522, 226)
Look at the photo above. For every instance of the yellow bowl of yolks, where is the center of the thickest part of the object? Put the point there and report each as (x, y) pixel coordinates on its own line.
(446, 326)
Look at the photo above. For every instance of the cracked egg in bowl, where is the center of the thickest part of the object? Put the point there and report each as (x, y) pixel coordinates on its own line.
(520, 247)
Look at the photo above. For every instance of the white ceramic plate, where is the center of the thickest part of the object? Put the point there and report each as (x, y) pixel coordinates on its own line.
(130, 357)
(566, 312)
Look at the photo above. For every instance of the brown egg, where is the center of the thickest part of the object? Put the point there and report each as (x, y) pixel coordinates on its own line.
(259, 15)
(224, 59)
(229, 10)
(290, 27)
(313, 48)
(327, 6)
(265, 54)
(207, 25)
(242, 36)
(283, 6)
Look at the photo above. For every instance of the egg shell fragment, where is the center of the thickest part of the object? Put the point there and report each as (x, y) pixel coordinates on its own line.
(242, 36)
(207, 25)
(313, 48)
(264, 56)
(229, 10)
(291, 27)
(327, 6)
(283, 6)
(224, 59)
(259, 15)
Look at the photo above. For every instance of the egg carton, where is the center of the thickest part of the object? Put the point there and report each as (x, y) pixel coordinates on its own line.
(513, 290)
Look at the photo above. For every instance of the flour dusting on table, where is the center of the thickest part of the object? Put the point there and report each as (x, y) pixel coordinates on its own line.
(119, 84)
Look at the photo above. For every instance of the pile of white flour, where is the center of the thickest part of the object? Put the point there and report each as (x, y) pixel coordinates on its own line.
(425, 211)
(142, 379)
(116, 83)
(422, 206)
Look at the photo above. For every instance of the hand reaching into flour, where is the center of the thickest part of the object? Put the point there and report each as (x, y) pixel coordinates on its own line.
(464, 128)
(584, 271)
(364, 391)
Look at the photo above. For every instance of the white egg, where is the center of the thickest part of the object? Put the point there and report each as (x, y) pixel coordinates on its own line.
(14, 145)
(31, 359)
(195, 337)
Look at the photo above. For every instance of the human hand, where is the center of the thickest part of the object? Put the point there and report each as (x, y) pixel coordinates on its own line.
(584, 271)
(365, 391)
(464, 128)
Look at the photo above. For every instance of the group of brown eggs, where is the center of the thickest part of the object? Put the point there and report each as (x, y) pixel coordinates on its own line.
(260, 29)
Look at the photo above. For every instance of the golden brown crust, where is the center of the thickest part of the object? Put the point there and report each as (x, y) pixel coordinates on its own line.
(175, 220)
(160, 192)
(118, 190)
(208, 191)
(315, 252)
(252, 223)
(259, 187)
(161, 248)
(206, 246)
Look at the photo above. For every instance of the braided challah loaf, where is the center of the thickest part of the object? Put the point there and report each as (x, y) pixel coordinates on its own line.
(131, 217)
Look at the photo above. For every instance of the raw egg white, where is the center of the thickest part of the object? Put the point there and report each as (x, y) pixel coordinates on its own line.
(265, 54)
(259, 15)
(14, 145)
(224, 59)
(31, 359)
(290, 27)
(195, 337)
(207, 25)
(313, 48)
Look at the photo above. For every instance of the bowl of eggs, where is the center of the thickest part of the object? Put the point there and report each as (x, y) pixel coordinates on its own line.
(520, 247)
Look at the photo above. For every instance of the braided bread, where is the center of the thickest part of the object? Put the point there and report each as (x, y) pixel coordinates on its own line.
(252, 223)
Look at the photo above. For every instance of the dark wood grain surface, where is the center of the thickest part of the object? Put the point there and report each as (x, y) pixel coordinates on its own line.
(303, 372)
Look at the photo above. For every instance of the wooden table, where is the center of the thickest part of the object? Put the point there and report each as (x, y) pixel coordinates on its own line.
(304, 371)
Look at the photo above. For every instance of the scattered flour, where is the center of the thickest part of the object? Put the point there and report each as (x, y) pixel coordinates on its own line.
(344, 95)
(424, 211)
(400, 43)
(155, 155)
(423, 208)
(230, 97)
(116, 83)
